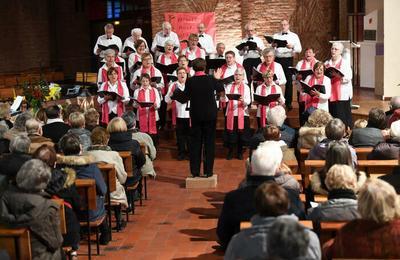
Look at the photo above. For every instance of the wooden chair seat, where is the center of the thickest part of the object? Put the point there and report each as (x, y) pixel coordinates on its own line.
(17, 242)
(94, 223)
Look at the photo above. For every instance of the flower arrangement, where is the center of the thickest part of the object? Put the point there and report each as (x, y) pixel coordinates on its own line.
(35, 93)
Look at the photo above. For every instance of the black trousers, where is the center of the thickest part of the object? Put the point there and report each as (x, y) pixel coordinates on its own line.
(342, 109)
(237, 137)
(248, 65)
(286, 63)
(202, 136)
(162, 112)
(183, 135)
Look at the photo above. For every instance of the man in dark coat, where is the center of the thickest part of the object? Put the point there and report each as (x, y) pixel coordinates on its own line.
(200, 90)
(55, 127)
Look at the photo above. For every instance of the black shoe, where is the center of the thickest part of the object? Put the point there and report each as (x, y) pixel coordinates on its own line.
(208, 175)
(121, 225)
(240, 156)
(181, 157)
(105, 238)
(229, 155)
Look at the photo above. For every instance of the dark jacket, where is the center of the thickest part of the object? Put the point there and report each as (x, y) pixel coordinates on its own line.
(86, 169)
(62, 185)
(393, 179)
(123, 141)
(385, 151)
(288, 135)
(364, 137)
(318, 152)
(239, 206)
(11, 163)
(201, 92)
(55, 131)
(84, 137)
(40, 214)
(4, 145)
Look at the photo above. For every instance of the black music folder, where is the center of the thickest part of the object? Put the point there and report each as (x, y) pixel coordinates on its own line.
(304, 73)
(155, 79)
(307, 88)
(127, 48)
(143, 104)
(213, 64)
(279, 43)
(114, 95)
(171, 78)
(250, 44)
(258, 75)
(266, 100)
(167, 69)
(179, 96)
(233, 96)
(227, 80)
(331, 70)
(111, 46)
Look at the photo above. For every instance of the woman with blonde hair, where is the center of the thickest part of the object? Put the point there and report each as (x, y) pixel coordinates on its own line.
(377, 234)
(313, 131)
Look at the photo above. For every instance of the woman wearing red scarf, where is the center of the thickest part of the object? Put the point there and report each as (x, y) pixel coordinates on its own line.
(147, 115)
(136, 57)
(180, 115)
(183, 62)
(342, 88)
(270, 64)
(265, 89)
(147, 68)
(113, 105)
(109, 57)
(236, 116)
(193, 51)
(316, 99)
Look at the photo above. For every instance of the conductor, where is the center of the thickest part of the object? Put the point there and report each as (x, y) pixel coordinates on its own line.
(200, 90)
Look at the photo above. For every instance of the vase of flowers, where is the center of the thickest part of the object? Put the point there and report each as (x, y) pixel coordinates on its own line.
(35, 93)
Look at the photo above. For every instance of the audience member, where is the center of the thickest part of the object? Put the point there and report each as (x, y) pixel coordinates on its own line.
(101, 152)
(77, 122)
(372, 134)
(19, 126)
(55, 127)
(5, 115)
(238, 204)
(271, 204)
(40, 116)
(62, 185)
(313, 131)
(19, 154)
(360, 123)
(377, 234)
(341, 182)
(85, 168)
(4, 143)
(25, 205)
(91, 119)
(276, 116)
(393, 114)
(34, 130)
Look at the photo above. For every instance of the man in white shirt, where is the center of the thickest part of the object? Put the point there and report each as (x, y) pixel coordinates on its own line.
(205, 40)
(136, 34)
(161, 37)
(284, 56)
(251, 58)
(107, 39)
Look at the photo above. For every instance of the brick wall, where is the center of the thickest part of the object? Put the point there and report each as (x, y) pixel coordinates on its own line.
(313, 20)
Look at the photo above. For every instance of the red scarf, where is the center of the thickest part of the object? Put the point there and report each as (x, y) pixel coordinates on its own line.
(197, 52)
(104, 77)
(230, 115)
(304, 65)
(152, 71)
(336, 84)
(223, 69)
(147, 117)
(312, 101)
(173, 58)
(271, 105)
(105, 110)
(264, 67)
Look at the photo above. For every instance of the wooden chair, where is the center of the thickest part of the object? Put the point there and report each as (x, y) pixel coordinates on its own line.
(328, 229)
(63, 223)
(292, 164)
(309, 167)
(362, 152)
(306, 223)
(317, 198)
(16, 242)
(87, 190)
(109, 176)
(130, 190)
(377, 167)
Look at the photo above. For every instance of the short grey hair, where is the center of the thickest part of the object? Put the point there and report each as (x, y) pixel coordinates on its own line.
(239, 70)
(339, 46)
(395, 102)
(136, 30)
(276, 116)
(33, 176)
(109, 52)
(20, 144)
(108, 26)
(267, 50)
(20, 121)
(130, 119)
(169, 42)
(3, 128)
(166, 24)
(32, 126)
(266, 159)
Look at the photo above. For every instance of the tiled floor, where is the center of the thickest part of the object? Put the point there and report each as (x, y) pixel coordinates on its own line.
(174, 223)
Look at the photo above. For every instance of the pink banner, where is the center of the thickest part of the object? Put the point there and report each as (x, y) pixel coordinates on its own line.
(186, 23)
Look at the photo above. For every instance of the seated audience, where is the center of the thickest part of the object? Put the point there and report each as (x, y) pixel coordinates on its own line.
(19, 126)
(19, 154)
(121, 140)
(372, 134)
(388, 150)
(62, 186)
(85, 168)
(341, 182)
(4, 143)
(40, 116)
(360, 123)
(26, 205)
(393, 114)
(271, 203)
(288, 239)
(5, 115)
(130, 119)
(71, 108)
(103, 153)
(55, 127)
(377, 234)
(313, 131)
(338, 153)
(238, 204)
(276, 116)
(34, 130)
(77, 122)
(334, 130)
(91, 119)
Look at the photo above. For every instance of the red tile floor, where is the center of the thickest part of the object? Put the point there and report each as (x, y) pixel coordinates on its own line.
(174, 223)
